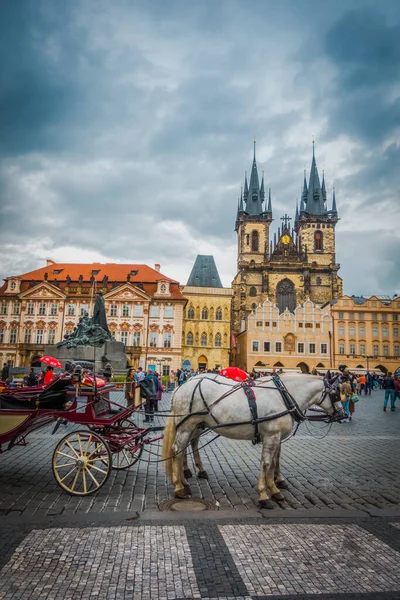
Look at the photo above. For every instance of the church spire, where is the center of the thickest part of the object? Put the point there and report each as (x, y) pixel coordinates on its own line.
(314, 199)
(262, 192)
(296, 218)
(253, 194)
(241, 201)
(334, 209)
(269, 207)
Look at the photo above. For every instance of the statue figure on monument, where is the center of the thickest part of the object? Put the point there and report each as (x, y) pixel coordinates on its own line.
(99, 312)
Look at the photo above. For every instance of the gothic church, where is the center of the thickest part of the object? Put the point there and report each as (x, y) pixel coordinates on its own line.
(299, 263)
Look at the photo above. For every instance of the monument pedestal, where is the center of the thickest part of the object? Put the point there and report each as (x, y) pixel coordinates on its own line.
(110, 352)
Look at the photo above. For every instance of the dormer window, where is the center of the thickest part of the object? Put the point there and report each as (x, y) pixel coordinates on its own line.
(13, 285)
(163, 288)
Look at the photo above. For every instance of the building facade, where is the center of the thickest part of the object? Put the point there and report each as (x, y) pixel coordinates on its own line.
(299, 263)
(144, 311)
(366, 332)
(273, 340)
(206, 321)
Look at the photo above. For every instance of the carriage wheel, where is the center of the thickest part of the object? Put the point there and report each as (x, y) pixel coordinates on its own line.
(82, 463)
(130, 453)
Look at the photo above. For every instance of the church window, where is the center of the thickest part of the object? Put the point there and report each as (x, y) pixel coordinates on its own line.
(318, 281)
(254, 241)
(203, 339)
(204, 314)
(285, 295)
(318, 241)
(189, 339)
(218, 314)
(253, 292)
(218, 340)
(191, 313)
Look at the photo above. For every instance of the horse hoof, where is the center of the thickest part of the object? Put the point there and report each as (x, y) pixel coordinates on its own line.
(282, 485)
(187, 473)
(266, 504)
(187, 490)
(278, 497)
(181, 495)
(202, 475)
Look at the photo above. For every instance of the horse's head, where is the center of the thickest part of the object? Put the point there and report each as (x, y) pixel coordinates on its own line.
(330, 402)
(315, 392)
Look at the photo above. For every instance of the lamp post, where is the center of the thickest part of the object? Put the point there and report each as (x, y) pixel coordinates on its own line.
(367, 357)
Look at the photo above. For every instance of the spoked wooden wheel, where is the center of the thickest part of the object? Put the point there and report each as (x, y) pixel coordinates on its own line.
(129, 454)
(82, 463)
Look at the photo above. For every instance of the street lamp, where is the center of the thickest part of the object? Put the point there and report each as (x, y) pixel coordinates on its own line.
(367, 357)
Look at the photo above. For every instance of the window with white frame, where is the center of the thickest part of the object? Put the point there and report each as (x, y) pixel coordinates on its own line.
(54, 309)
(113, 310)
(278, 346)
(375, 331)
(153, 339)
(169, 312)
(267, 346)
(28, 336)
(341, 315)
(395, 332)
(13, 336)
(16, 308)
(125, 310)
(361, 331)
(39, 336)
(123, 336)
(385, 350)
(341, 329)
(352, 331)
(341, 348)
(42, 308)
(397, 350)
(352, 348)
(166, 370)
(138, 310)
(255, 346)
(136, 338)
(30, 309)
(52, 336)
(167, 339)
(311, 348)
(3, 308)
(71, 310)
(385, 331)
(300, 347)
(375, 350)
(362, 348)
(374, 316)
(154, 312)
(1, 336)
(324, 348)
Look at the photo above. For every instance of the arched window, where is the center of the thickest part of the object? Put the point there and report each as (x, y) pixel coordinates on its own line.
(190, 313)
(285, 295)
(203, 339)
(254, 306)
(318, 241)
(218, 314)
(189, 339)
(204, 314)
(253, 292)
(318, 281)
(254, 241)
(218, 340)
(252, 264)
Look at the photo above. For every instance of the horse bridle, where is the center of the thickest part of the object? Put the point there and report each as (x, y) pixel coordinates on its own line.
(332, 392)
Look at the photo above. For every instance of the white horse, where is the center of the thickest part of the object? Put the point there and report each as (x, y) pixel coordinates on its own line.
(213, 401)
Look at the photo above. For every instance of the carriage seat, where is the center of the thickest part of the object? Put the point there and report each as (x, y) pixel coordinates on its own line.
(53, 396)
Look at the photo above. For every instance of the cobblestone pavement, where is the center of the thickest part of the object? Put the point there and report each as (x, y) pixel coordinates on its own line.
(356, 466)
(202, 560)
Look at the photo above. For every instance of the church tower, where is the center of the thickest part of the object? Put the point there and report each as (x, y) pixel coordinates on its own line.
(254, 217)
(299, 263)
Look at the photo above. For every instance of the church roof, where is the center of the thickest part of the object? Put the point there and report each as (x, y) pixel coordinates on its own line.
(204, 273)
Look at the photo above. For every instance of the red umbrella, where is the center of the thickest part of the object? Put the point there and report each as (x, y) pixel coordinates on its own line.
(52, 362)
(234, 373)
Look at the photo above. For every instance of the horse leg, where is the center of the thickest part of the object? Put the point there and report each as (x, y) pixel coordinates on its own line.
(182, 488)
(274, 450)
(202, 474)
(187, 473)
(266, 486)
(280, 481)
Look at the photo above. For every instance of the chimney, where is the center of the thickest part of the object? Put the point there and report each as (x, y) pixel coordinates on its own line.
(49, 262)
(157, 267)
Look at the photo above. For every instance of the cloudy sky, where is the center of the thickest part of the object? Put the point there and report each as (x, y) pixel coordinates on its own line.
(126, 128)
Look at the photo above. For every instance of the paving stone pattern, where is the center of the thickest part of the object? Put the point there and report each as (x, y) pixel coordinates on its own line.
(246, 561)
(355, 466)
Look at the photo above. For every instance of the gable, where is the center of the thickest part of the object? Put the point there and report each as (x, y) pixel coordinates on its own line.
(127, 292)
(42, 291)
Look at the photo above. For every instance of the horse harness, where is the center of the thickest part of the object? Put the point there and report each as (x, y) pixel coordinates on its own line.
(291, 406)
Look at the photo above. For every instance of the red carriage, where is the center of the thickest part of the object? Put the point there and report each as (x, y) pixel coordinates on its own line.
(83, 459)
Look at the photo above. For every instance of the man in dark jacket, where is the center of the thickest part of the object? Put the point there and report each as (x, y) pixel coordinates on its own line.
(32, 379)
(5, 372)
(388, 386)
(148, 390)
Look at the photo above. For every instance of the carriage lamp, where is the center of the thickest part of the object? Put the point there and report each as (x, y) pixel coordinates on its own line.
(77, 375)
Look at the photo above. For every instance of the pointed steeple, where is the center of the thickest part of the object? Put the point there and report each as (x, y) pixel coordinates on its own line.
(296, 218)
(269, 207)
(246, 187)
(315, 199)
(262, 193)
(253, 193)
(334, 209)
(302, 206)
(241, 201)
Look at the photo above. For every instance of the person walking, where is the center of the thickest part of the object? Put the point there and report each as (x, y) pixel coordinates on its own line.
(362, 380)
(369, 383)
(158, 392)
(129, 388)
(388, 386)
(346, 393)
(396, 388)
(148, 387)
(171, 381)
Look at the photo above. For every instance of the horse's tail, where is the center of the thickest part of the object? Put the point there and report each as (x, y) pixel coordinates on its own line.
(169, 439)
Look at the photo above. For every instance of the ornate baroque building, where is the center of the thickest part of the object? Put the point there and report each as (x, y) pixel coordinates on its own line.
(144, 311)
(206, 320)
